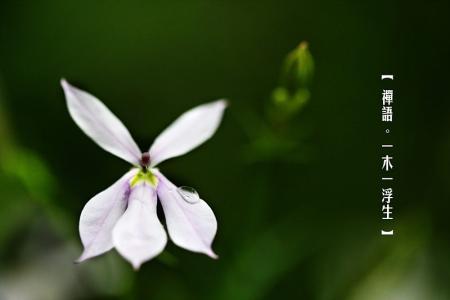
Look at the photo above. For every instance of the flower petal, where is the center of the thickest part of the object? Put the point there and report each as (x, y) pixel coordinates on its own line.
(191, 225)
(188, 131)
(100, 215)
(100, 124)
(139, 236)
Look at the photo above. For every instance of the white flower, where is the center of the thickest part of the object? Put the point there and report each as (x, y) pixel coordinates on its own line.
(124, 215)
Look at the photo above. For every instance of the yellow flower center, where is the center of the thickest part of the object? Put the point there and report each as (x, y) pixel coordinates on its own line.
(146, 176)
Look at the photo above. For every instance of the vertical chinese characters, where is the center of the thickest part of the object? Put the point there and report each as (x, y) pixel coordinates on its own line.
(387, 191)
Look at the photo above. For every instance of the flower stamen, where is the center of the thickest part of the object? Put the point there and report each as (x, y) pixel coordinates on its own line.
(145, 160)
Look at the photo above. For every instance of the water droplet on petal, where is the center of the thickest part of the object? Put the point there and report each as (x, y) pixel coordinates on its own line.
(188, 194)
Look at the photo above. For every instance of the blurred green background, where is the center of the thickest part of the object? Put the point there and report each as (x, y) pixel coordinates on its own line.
(293, 174)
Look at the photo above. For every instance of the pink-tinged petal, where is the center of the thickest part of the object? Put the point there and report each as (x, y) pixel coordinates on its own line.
(190, 130)
(191, 226)
(100, 124)
(100, 215)
(139, 235)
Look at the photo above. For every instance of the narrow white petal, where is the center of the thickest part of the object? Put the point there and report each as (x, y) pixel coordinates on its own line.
(139, 236)
(189, 131)
(100, 124)
(100, 215)
(191, 226)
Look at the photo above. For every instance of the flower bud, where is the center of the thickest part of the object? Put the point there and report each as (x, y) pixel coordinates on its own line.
(292, 94)
(298, 68)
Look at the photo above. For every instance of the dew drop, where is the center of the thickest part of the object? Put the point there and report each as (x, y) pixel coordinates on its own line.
(188, 194)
